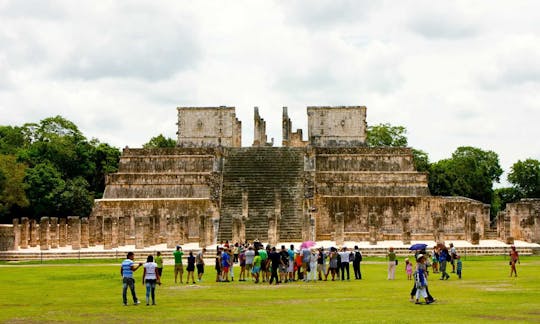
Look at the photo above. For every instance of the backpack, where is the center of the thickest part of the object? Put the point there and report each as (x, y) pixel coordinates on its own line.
(358, 256)
(448, 257)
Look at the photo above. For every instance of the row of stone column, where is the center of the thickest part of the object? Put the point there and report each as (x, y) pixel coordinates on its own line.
(51, 232)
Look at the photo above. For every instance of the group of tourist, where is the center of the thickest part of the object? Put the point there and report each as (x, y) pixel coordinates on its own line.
(268, 264)
(273, 265)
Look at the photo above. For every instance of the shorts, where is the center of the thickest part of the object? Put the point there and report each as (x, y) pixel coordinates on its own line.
(321, 267)
(256, 270)
(290, 268)
(178, 268)
(200, 268)
(225, 269)
(249, 266)
(282, 268)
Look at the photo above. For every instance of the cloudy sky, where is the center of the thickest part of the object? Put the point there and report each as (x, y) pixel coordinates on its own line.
(454, 73)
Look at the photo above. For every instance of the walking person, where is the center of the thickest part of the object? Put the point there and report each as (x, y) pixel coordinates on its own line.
(391, 263)
(444, 257)
(514, 258)
(356, 263)
(159, 261)
(126, 271)
(178, 267)
(453, 256)
(422, 266)
(200, 264)
(150, 279)
(421, 280)
(190, 267)
(459, 266)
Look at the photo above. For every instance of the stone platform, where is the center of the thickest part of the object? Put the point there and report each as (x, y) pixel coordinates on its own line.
(464, 248)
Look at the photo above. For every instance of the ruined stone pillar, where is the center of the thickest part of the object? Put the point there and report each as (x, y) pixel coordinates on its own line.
(180, 229)
(139, 232)
(162, 229)
(53, 232)
(16, 234)
(121, 231)
(114, 232)
(25, 232)
(406, 233)
(44, 233)
(107, 233)
(75, 230)
(339, 230)
(147, 231)
(99, 230)
(131, 230)
(372, 221)
(92, 239)
(33, 233)
(85, 232)
(62, 232)
(170, 231)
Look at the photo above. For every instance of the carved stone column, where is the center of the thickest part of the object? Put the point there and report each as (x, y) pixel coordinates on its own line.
(406, 233)
(25, 232)
(75, 229)
(372, 221)
(139, 232)
(44, 233)
(170, 232)
(85, 232)
(53, 232)
(33, 233)
(62, 232)
(339, 236)
(92, 239)
(114, 232)
(121, 231)
(147, 235)
(16, 234)
(107, 233)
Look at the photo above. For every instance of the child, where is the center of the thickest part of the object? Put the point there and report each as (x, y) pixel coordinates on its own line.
(459, 266)
(421, 280)
(408, 269)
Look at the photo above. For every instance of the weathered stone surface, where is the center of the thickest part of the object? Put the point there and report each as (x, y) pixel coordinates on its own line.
(208, 127)
(44, 233)
(524, 220)
(25, 232)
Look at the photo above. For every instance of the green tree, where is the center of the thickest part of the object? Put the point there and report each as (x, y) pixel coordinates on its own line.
(160, 141)
(503, 196)
(12, 139)
(525, 177)
(76, 199)
(44, 188)
(470, 172)
(105, 159)
(386, 135)
(12, 188)
(420, 160)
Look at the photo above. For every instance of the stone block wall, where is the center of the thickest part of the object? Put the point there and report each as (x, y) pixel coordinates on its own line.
(343, 126)
(208, 127)
(524, 220)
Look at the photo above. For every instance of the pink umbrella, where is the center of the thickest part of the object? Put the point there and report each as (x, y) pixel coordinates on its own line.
(307, 244)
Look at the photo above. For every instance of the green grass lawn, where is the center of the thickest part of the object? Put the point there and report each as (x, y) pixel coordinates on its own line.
(92, 293)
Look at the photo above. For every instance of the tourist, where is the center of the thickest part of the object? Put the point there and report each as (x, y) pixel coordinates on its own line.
(344, 255)
(150, 278)
(444, 258)
(284, 266)
(459, 266)
(298, 266)
(250, 255)
(321, 263)
(242, 260)
(312, 271)
(256, 266)
(392, 262)
(200, 264)
(356, 263)
(190, 267)
(225, 263)
(159, 262)
(408, 269)
(453, 255)
(218, 264)
(421, 280)
(290, 269)
(435, 259)
(306, 256)
(423, 267)
(332, 264)
(236, 252)
(275, 261)
(178, 267)
(126, 271)
(514, 258)
(263, 272)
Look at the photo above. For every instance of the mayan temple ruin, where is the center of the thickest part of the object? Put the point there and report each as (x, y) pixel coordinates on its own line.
(329, 187)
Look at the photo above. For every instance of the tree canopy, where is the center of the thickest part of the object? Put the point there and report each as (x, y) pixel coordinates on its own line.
(160, 141)
(525, 176)
(386, 135)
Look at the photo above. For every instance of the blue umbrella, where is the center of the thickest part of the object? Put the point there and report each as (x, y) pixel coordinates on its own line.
(418, 246)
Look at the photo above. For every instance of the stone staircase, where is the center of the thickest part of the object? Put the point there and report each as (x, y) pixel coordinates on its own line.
(263, 171)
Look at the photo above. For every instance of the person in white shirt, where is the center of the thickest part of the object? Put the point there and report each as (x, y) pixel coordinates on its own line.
(344, 254)
(250, 255)
(150, 278)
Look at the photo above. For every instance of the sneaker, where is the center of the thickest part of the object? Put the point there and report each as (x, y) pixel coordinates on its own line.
(136, 303)
(125, 304)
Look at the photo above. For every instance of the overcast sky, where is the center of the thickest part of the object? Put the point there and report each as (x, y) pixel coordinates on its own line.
(454, 73)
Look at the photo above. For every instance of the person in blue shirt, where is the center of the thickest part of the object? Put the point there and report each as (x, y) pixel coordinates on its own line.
(126, 271)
